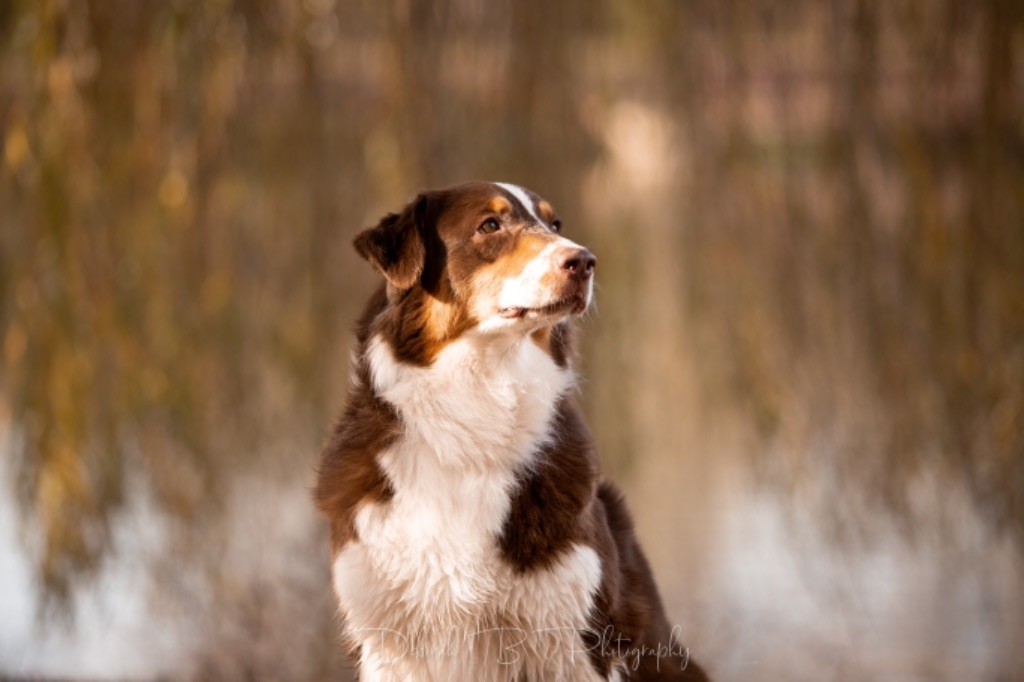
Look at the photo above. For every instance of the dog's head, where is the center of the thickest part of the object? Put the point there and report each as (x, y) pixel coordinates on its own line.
(481, 257)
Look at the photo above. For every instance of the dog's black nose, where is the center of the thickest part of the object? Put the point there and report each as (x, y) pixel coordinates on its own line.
(578, 262)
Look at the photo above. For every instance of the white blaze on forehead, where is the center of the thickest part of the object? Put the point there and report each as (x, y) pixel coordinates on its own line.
(522, 197)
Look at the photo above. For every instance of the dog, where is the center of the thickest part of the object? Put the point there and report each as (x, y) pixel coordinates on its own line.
(472, 535)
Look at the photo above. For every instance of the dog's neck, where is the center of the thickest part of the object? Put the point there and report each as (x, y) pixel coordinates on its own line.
(484, 400)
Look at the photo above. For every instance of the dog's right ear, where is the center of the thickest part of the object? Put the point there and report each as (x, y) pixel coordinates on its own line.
(395, 246)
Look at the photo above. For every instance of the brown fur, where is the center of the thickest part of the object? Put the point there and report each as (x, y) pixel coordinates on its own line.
(559, 503)
(349, 473)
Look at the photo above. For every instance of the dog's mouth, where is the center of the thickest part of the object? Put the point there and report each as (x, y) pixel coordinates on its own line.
(571, 305)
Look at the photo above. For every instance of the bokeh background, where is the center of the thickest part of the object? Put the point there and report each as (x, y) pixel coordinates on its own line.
(806, 365)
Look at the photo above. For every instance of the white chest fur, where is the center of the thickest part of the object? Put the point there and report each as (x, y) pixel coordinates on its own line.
(424, 588)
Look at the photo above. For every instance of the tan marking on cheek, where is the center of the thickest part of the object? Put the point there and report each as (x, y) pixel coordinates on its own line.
(499, 205)
(444, 319)
(440, 318)
(542, 337)
(512, 264)
(487, 283)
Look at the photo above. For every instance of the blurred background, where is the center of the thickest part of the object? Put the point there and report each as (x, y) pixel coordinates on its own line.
(806, 365)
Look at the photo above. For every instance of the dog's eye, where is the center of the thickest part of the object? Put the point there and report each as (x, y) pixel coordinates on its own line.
(489, 226)
(556, 225)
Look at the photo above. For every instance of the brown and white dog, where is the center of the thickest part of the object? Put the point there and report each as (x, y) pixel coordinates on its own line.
(472, 536)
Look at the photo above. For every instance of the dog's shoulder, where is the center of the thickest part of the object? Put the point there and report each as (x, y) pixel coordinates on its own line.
(550, 504)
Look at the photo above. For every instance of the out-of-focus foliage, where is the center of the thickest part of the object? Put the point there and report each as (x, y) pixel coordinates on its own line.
(169, 248)
(812, 212)
(854, 238)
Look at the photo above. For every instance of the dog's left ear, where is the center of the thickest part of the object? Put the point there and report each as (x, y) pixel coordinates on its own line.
(395, 246)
